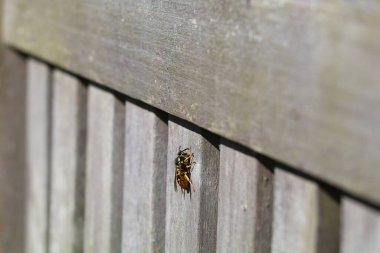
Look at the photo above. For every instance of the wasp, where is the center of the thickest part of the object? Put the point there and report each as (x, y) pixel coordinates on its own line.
(184, 164)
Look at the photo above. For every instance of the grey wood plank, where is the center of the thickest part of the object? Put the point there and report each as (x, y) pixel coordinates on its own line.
(144, 181)
(244, 203)
(360, 227)
(37, 156)
(104, 172)
(212, 63)
(12, 151)
(304, 216)
(67, 170)
(191, 219)
(328, 214)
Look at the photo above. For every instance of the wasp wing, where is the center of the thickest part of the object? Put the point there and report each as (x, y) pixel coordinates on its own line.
(175, 178)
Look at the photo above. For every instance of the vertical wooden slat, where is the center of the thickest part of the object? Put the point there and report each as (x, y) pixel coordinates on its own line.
(328, 229)
(301, 210)
(118, 176)
(145, 181)
(12, 152)
(104, 172)
(360, 227)
(67, 171)
(191, 219)
(38, 122)
(245, 203)
(295, 217)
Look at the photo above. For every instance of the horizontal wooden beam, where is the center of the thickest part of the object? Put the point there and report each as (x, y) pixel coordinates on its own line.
(295, 80)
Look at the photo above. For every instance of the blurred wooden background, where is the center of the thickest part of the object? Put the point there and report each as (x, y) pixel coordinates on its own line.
(278, 100)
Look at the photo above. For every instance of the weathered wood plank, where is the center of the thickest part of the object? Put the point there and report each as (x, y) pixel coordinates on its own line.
(38, 156)
(244, 203)
(12, 151)
(328, 214)
(360, 227)
(104, 172)
(144, 181)
(191, 219)
(67, 170)
(306, 218)
(280, 77)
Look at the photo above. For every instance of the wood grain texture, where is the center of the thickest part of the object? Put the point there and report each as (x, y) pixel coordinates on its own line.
(67, 171)
(328, 230)
(37, 156)
(191, 219)
(144, 181)
(104, 172)
(306, 219)
(281, 77)
(244, 203)
(360, 227)
(12, 151)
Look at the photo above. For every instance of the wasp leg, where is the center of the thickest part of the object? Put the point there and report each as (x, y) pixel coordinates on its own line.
(192, 166)
(191, 183)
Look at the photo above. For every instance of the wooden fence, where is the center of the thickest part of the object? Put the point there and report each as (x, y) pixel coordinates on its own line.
(97, 97)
